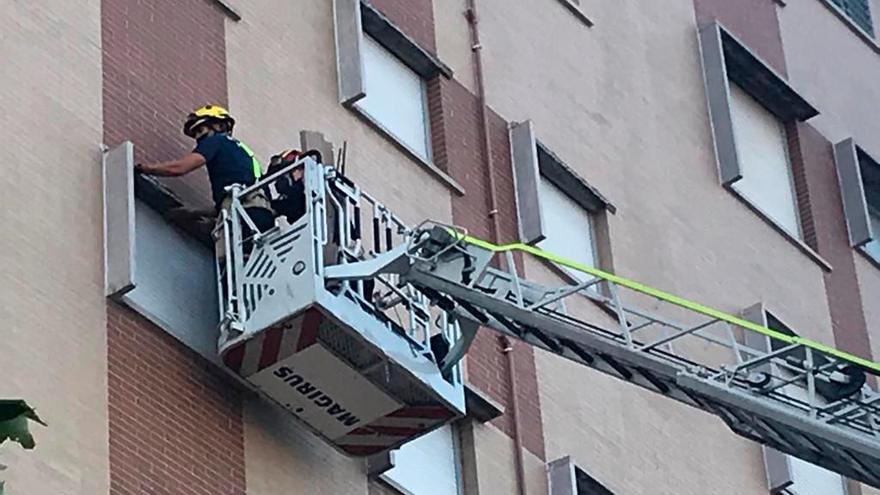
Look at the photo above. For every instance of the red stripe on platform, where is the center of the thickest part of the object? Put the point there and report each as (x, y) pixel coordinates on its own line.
(393, 431)
(432, 412)
(271, 346)
(234, 357)
(308, 335)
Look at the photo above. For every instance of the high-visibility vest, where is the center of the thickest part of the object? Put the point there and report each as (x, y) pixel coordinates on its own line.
(257, 168)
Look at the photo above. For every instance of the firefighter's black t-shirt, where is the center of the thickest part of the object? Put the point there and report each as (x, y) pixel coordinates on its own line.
(227, 164)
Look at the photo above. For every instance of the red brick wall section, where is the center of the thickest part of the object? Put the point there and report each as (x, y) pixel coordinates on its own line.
(801, 186)
(175, 425)
(161, 59)
(175, 421)
(841, 284)
(754, 22)
(414, 17)
(487, 367)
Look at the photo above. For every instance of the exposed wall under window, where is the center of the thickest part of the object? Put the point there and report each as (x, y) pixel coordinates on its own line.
(395, 97)
(762, 150)
(428, 465)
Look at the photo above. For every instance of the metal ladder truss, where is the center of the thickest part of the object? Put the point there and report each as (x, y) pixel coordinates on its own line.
(799, 396)
(439, 285)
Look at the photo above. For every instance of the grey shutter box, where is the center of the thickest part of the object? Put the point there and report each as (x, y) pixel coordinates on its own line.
(347, 26)
(526, 174)
(561, 475)
(778, 468)
(756, 314)
(718, 97)
(119, 241)
(852, 190)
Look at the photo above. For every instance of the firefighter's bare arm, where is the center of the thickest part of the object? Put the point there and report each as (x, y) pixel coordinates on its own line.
(173, 168)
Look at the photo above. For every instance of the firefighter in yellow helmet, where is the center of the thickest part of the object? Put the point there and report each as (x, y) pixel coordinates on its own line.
(228, 160)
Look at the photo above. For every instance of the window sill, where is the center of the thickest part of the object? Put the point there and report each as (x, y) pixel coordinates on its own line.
(798, 243)
(575, 9)
(227, 9)
(855, 28)
(872, 260)
(409, 152)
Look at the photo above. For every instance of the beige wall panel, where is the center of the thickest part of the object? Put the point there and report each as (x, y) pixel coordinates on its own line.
(869, 286)
(51, 282)
(281, 456)
(454, 40)
(496, 468)
(630, 116)
(634, 441)
(849, 104)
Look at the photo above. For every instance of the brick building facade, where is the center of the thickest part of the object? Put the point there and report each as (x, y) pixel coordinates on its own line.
(615, 91)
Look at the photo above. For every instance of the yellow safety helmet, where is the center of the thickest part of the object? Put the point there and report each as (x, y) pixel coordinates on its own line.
(205, 114)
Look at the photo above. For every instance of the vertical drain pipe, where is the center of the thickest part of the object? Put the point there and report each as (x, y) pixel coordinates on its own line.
(507, 344)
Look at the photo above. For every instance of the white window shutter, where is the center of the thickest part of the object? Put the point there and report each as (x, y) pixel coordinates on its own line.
(763, 161)
(347, 26)
(119, 241)
(395, 98)
(526, 177)
(852, 190)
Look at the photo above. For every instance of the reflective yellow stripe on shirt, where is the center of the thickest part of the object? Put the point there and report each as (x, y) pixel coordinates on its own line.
(258, 169)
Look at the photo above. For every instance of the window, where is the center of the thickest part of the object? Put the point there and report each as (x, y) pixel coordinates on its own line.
(873, 248)
(858, 11)
(395, 97)
(870, 171)
(568, 227)
(428, 465)
(556, 208)
(383, 74)
(762, 150)
(750, 108)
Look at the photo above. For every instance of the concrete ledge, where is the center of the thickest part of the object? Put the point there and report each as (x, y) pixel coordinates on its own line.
(576, 10)
(791, 238)
(227, 9)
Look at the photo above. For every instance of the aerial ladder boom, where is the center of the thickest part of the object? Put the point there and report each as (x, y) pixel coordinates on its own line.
(790, 393)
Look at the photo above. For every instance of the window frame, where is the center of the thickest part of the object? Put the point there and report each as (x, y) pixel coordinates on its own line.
(727, 60)
(840, 11)
(354, 19)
